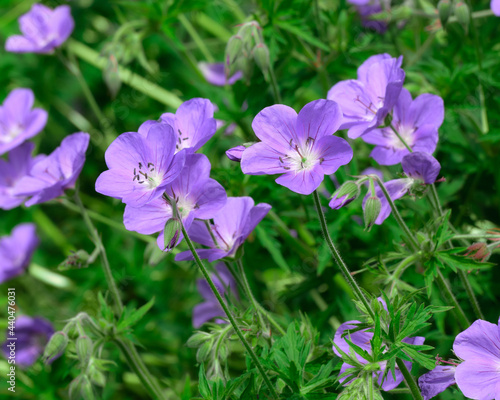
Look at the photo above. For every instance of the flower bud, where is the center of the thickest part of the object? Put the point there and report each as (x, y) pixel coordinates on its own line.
(462, 13)
(371, 211)
(171, 233)
(261, 56)
(84, 348)
(81, 388)
(56, 346)
(233, 50)
(235, 153)
(445, 9)
(75, 260)
(198, 339)
(349, 191)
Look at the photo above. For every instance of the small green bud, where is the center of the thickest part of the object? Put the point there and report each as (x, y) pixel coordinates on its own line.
(204, 351)
(171, 233)
(349, 191)
(56, 346)
(198, 339)
(233, 49)
(75, 260)
(371, 211)
(462, 13)
(80, 387)
(445, 9)
(84, 349)
(95, 375)
(261, 56)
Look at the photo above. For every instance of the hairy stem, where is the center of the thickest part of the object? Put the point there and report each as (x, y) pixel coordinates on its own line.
(450, 298)
(410, 381)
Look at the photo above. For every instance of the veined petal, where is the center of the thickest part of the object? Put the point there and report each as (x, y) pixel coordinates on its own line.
(481, 340)
(147, 219)
(317, 119)
(261, 159)
(334, 152)
(303, 181)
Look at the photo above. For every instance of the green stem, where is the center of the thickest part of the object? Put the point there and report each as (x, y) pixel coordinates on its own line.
(401, 139)
(256, 304)
(338, 259)
(470, 294)
(402, 267)
(274, 85)
(229, 315)
(410, 381)
(476, 236)
(197, 39)
(450, 298)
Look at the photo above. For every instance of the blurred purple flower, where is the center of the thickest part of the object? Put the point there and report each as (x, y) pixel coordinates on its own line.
(43, 30)
(366, 101)
(51, 175)
(16, 251)
(141, 164)
(301, 147)
(193, 124)
(18, 166)
(18, 121)
(232, 225)
(367, 8)
(362, 339)
(372, 171)
(417, 122)
(196, 194)
(479, 347)
(436, 381)
(419, 168)
(211, 308)
(215, 74)
(495, 7)
(235, 153)
(32, 334)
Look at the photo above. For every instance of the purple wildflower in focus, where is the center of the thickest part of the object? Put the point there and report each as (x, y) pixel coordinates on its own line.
(18, 121)
(436, 381)
(12, 170)
(195, 193)
(235, 153)
(141, 164)
(420, 168)
(232, 225)
(215, 74)
(362, 339)
(16, 251)
(32, 334)
(301, 147)
(478, 376)
(366, 101)
(417, 122)
(367, 8)
(43, 29)
(211, 308)
(193, 124)
(495, 7)
(51, 175)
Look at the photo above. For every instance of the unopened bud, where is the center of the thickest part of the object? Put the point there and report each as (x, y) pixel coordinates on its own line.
(198, 339)
(261, 56)
(462, 13)
(372, 209)
(75, 260)
(444, 8)
(235, 153)
(171, 233)
(84, 350)
(349, 191)
(80, 387)
(56, 346)
(233, 49)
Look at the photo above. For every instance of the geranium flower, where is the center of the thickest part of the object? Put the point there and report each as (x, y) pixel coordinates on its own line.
(51, 175)
(215, 74)
(417, 122)
(232, 225)
(196, 196)
(43, 30)
(141, 164)
(235, 153)
(16, 251)
(436, 381)
(366, 101)
(18, 121)
(301, 147)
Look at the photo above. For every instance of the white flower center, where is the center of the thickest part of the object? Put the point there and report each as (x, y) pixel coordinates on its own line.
(12, 133)
(301, 158)
(406, 134)
(182, 141)
(147, 175)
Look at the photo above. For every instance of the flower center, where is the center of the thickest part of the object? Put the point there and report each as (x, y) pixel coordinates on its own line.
(147, 175)
(12, 133)
(301, 158)
(406, 134)
(182, 141)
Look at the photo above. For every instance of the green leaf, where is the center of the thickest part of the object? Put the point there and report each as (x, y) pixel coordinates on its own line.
(272, 247)
(135, 316)
(303, 34)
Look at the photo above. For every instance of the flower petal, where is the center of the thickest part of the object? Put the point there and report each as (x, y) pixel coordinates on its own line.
(261, 159)
(334, 151)
(436, 381)
(304, 181)
(318, 119)
(480, 340)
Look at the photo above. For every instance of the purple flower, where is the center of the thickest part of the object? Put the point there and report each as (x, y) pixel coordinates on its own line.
(417, 122)
(301, 147)
(141, 164)
(11, 172)
(367, 8)
(32, 334)
(362, 339)
(232, 225)
(235, 153)
(18, 121)
(420, 168)
(215, 74)
(195, 193)
(495, 7)
(366, 101)
(193, 124)
(436, 381)
(51, 175)
(16, 251)
(479, 346)
(211, 308)
(43, 30)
